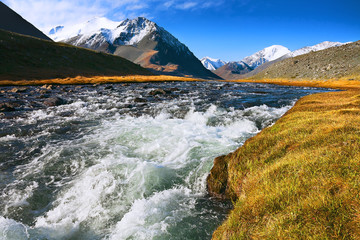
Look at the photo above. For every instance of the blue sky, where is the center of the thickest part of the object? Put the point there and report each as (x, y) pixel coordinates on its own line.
(229, 30)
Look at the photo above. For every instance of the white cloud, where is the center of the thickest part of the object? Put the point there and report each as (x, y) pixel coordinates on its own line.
(46, 14)
(168, 4)
(136, 6)
(186, 5)
(210, 4)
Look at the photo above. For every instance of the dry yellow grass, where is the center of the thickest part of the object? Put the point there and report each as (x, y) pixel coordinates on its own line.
(348, 82)
(298, 179)
(96, 80)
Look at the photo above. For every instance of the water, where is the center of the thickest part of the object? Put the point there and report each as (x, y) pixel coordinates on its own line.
(117, 162)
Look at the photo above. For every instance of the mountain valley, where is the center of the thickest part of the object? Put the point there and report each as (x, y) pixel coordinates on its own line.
(116, 130)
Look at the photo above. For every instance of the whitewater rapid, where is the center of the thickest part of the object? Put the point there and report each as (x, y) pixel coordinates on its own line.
(108, 166)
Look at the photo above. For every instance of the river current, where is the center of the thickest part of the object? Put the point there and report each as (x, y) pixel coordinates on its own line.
(125, 161)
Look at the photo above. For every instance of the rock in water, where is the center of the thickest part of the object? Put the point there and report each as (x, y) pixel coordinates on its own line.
(54, 101)
(7, 107)
(157, 92)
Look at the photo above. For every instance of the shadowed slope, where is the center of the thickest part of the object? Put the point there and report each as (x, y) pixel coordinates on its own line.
(13, 22)
(24, 57)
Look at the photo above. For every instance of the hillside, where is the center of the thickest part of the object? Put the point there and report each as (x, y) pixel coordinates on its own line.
(24, 57)
(13, 22)
(138, 40)
(335, 62)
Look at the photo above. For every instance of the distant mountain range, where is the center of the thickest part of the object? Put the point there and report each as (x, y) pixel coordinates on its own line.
(266, 55)
(232, 70)
(138, 40)
(317, 47)
(260, 60)
(13, 22)
(211, 63)
(334, 62)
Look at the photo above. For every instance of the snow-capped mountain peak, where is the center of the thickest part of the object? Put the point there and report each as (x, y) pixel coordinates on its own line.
(138, 40)
(100, 30)
(317, 47)
(127, 32)
(267, 54)
(211, 63)
(86, 28)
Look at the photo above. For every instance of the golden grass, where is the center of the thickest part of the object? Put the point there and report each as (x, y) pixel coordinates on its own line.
(96, 80)
(300, 178)
(348, 82)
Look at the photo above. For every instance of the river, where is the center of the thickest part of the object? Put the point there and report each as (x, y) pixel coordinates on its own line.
(124, 161)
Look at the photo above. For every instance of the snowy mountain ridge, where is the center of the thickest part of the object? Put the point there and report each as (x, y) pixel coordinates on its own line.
(266, 55)
(317, 47)
(61, 33)
(275, 52)
(100, 29)
(138, 40)
(212, 63)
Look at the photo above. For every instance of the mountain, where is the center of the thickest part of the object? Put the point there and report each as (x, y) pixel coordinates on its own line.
(298, 52)
(13, 22)
(265, 58)
(333, 62)
(266, 55)
(24, 57)
(211, 63)
(317, 47)
(138, 40)
(233, 70)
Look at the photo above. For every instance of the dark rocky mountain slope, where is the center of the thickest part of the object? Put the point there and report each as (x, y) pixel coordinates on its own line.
(13, 22)
(140, 41)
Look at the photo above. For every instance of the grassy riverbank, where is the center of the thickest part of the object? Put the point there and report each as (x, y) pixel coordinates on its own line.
(348, 82)
(298, 179)
(97, 80)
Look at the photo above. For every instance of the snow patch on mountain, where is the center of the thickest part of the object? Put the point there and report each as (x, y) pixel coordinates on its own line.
(266, 55)
(211, 63)
(132, 31)
(317, 47)
(85, 29)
